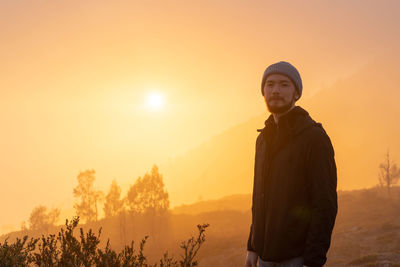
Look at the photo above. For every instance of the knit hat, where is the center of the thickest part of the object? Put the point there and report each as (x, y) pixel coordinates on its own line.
(287, 69)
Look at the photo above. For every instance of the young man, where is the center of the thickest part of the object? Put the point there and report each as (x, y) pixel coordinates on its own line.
(294, 192)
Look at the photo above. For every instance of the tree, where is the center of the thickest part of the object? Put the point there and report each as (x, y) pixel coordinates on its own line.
(88, 197)
(389, 173)
(148, 194)
(113, 204)
(41, 220)
(23, 226)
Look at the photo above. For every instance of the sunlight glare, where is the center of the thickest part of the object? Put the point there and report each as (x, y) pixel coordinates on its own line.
(155, 100)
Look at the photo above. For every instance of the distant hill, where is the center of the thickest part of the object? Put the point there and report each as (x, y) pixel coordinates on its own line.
(360, 114)
(222, 166)
(234, 202)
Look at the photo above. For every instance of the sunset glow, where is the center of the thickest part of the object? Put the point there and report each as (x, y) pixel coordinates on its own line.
(155, 101)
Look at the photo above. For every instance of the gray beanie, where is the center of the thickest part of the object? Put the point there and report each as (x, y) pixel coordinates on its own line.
(286, 69)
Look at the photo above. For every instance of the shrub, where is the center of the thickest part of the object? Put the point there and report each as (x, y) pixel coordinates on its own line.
(65, 249)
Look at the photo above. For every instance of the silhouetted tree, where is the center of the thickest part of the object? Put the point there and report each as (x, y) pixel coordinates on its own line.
(113, 204)
(23, 226)
(98, 196)
(389, 173)
(88, 197)
(148, 194)
(41, 219)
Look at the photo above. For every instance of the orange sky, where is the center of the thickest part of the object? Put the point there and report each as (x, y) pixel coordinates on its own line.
(75, 76)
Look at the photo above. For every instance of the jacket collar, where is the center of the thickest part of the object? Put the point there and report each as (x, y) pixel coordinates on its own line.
(292, 123)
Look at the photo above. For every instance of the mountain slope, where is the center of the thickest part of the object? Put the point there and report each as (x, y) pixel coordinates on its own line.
(360, 114)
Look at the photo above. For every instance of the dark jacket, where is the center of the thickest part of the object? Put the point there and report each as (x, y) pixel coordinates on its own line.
(294, 193)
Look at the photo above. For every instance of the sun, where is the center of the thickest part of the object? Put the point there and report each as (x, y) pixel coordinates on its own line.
(155, 100)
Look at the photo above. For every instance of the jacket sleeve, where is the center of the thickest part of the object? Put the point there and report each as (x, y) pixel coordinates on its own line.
(249, 245)
(322, 182)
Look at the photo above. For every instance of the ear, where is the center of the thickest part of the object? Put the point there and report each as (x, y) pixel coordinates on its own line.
(296, 96)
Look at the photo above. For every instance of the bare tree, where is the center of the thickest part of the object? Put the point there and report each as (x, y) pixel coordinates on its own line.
(389, 173)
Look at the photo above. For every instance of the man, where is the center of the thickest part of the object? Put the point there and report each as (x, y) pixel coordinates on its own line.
(294, 193)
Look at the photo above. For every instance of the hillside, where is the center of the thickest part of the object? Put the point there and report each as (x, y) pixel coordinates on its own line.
(362, 121)
(222, 166)
(356, 112)
(234, 202)
(366, 233)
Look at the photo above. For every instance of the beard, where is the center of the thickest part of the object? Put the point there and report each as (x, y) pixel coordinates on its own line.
(280, 109)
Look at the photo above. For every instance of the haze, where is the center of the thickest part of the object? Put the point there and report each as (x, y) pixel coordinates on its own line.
(76, 76)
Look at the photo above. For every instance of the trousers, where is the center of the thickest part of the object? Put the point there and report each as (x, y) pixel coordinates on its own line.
(293, 262)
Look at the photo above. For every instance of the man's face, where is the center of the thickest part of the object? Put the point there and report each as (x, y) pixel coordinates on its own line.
(280, 94)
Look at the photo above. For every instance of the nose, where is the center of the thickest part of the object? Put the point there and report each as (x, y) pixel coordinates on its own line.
(275, 89)
(275, 92)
